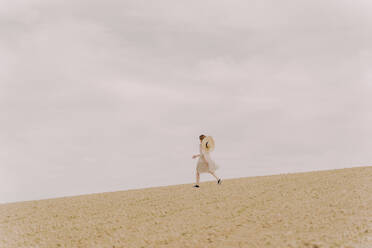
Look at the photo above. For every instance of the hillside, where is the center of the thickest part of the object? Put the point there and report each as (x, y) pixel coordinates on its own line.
(315, 209)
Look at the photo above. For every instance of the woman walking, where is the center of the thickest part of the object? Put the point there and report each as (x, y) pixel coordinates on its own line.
(205, 163)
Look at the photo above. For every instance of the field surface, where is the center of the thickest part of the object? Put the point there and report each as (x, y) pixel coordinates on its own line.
(315, 209)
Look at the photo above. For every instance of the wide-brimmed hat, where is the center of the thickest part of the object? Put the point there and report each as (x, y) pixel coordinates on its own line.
(208, 144)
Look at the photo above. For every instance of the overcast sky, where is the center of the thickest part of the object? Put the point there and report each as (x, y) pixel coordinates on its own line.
(100, 96)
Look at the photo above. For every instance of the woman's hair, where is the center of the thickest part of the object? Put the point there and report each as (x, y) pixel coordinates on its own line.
(201, 137)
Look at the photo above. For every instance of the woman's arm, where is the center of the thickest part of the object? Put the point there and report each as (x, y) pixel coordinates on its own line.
(195, 156)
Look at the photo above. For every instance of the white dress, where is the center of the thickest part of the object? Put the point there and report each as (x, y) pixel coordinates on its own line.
(205, 163)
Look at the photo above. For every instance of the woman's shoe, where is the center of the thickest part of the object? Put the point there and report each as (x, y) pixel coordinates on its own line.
(219, 181)
(196, 186)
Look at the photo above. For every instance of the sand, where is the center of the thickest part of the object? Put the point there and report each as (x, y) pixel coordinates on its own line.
(315, 209)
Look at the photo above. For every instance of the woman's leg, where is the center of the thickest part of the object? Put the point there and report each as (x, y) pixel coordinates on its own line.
(197, 178)
(212, 173)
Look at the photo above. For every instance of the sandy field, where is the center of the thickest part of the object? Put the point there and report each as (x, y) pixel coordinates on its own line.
(315, 209)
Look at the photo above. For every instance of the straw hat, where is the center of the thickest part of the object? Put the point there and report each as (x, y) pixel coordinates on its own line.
(208, 144)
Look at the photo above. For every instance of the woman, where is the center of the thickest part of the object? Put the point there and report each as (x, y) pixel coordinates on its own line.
(205, 163)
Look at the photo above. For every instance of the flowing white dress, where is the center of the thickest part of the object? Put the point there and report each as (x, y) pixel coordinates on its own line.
(205, 163)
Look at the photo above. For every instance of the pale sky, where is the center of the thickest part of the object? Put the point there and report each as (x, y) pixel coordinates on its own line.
(100, 96)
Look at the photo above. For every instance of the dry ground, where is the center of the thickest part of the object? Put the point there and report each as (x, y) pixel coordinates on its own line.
(316, 209)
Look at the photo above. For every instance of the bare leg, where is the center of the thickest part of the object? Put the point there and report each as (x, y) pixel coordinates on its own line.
(212, 173)
(197, 178)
